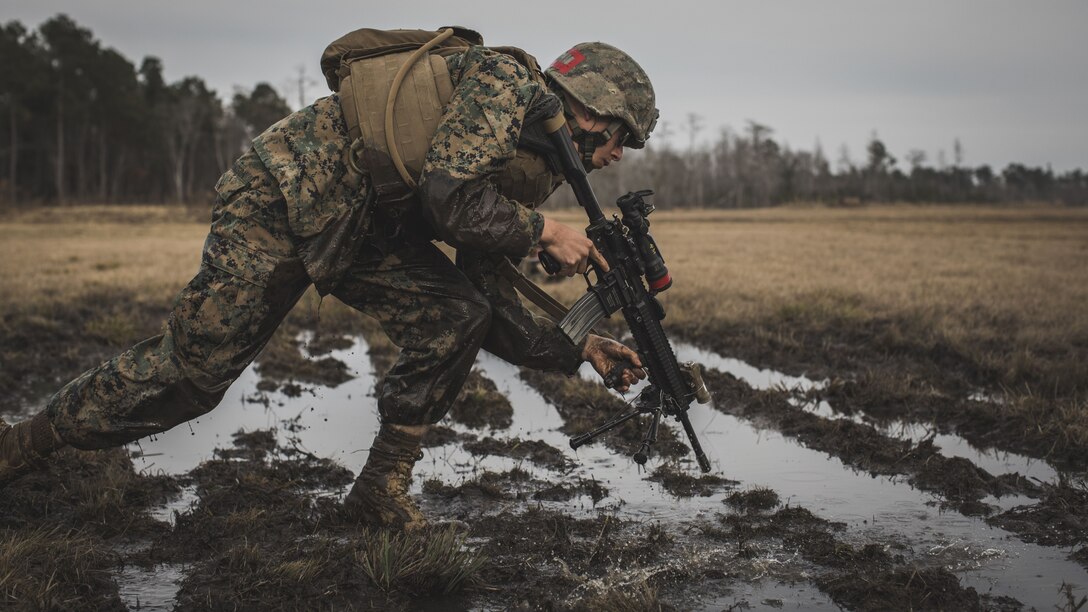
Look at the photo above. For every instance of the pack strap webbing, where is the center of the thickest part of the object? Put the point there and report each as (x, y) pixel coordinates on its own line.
(532, 292)
(390, 137)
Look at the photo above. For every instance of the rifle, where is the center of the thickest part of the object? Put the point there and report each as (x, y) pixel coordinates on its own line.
(637, 273)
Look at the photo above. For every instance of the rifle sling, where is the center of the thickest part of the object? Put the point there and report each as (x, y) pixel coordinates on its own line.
(532, 292)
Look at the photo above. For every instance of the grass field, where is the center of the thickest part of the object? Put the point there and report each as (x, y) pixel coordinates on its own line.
(968, 321)
(954, 298)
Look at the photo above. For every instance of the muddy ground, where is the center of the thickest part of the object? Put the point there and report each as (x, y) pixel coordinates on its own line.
(862, 466)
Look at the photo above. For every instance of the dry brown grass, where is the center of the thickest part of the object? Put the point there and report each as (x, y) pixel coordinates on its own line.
(963, 267)
(56, 569)
(954, 297)
(1001, 290)
(55, 255)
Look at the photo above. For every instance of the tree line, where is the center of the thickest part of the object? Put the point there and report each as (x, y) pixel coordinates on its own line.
(84, 124)
(750, 169)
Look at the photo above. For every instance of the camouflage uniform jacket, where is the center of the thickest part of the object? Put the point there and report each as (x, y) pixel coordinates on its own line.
(467, 194)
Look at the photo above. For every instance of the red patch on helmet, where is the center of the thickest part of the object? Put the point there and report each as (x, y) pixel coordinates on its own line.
(564, 67)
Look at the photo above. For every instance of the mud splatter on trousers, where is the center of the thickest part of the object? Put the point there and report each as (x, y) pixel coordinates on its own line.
(249, 279)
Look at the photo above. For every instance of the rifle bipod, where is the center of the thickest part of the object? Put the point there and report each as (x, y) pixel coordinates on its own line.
(654, 402)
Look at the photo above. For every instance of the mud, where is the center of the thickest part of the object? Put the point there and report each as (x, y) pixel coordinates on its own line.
(259, 524)
(561, 492)
(1060, 518)
(540, 453)
(325, 343)
(480, 405)
(55, 568)
(909, 589)
(251, 490)
(258, 536)
(824, 343)
(281, 577)
(884, 395)
(757, 499)
(513, 484)
(546, 560)
(98, 492)
(679, 483)
(874, 576)
(440, 435)
(283, 360)
(584, 406)
(961, 484)
(489, 485)
(44, 347)
(60, 529)
(264, 532)
(896, 369)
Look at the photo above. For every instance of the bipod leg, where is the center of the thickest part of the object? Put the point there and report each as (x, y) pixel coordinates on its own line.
(616, 421)
(651, 436)
(700, 456)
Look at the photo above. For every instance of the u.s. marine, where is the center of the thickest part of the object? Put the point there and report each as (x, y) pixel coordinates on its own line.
(316, 200)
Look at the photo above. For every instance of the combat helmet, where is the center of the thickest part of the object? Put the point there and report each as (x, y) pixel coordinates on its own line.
(609, 83)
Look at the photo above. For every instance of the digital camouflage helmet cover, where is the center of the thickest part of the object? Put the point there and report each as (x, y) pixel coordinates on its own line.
(609, 83)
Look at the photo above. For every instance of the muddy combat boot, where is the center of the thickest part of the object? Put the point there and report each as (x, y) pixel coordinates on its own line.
(380, 495)
(25, 446)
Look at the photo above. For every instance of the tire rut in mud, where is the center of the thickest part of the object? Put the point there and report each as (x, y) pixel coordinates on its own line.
(885, 395)
(1059, 519)
(959, 483)
(877, 367)
(870, 576)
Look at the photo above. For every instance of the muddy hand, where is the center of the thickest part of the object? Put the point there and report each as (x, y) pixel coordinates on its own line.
(618, 365)
(571, 249)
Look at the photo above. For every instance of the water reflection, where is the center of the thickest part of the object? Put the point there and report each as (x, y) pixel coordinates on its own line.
(340, 422)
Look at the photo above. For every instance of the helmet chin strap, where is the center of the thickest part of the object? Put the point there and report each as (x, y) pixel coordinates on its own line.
(586, 140)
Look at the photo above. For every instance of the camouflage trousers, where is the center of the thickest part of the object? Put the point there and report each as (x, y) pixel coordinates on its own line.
(249, 279)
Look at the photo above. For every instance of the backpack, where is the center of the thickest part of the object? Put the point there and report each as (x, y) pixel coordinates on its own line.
(391, 135)
(361, 67)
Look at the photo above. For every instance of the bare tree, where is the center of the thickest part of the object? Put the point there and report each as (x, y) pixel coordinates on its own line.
(694, 126)
(302, 81)
(916, 158)
(844, 163)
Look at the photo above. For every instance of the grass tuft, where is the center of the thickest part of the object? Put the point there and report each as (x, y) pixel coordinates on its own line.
(756, 499)
(53, 568)
(426, 562)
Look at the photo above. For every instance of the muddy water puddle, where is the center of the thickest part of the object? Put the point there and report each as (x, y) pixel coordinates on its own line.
(989, 559)
(340, 422)
(992, 460)
(150, 589)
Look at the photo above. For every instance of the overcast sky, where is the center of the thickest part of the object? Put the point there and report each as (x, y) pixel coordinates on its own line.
(1009, 79)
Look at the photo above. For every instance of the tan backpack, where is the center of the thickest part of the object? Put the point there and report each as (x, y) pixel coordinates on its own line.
(361, 67)
(393, 87)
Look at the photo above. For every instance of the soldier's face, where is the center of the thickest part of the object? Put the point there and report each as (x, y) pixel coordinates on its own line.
(610, 151)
